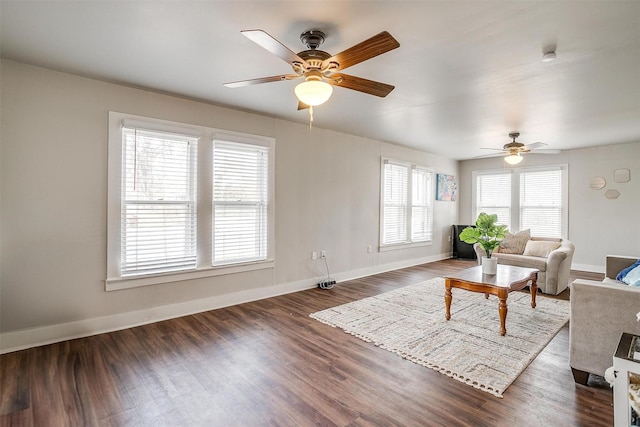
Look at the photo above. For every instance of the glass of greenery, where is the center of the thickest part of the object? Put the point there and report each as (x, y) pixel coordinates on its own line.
(486, 233)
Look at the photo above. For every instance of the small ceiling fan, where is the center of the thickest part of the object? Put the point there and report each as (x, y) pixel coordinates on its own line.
(321, 70)
(513, 150)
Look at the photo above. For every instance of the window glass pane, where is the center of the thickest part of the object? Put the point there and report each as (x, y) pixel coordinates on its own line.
(422, 207)
(541, 202)
(240, 202)
(493, 196)
(158, 225)
(395, 206)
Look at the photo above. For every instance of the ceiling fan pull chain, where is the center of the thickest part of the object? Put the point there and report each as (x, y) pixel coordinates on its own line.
(310, 117)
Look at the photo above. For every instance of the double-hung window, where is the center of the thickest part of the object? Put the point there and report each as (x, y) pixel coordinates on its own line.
(186, 202)
(525, 198)
(542, 202)
(406, 204)
(493, 195)
(240, 189)
(158, 210)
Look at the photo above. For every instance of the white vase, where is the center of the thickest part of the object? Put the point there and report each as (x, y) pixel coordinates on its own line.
(489, 265)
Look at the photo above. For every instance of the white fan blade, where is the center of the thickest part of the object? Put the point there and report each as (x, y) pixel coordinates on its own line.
(535, 145)
(485, 156)
(547, 151)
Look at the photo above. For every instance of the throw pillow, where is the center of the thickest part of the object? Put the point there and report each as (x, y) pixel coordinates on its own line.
(625, 271)
(515, 243)
(632, 276)
(540, 248)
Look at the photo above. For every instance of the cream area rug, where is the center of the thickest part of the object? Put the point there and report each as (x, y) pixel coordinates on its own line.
(410, 322)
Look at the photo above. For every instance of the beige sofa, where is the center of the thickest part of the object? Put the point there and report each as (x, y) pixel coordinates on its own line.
(600, 313)
(553, 277)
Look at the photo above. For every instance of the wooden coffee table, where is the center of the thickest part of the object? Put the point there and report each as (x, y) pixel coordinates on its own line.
(508, 278)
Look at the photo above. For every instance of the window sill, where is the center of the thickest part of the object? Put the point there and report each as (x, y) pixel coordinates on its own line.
(398, 246)
(120, 283)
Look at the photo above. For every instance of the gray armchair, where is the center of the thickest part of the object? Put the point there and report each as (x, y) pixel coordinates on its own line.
(600, 313)
(553, 277)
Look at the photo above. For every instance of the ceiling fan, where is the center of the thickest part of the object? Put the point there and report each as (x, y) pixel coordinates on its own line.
(513, 150)
(321, 70)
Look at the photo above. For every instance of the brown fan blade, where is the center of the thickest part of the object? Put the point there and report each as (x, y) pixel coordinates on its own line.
(243, 83)
(361, 85)
(302, 105)
(274, 46)
(370, 48)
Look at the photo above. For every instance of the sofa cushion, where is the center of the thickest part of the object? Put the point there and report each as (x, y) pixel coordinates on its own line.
(522, 261)
(540, 248)
(514, 243)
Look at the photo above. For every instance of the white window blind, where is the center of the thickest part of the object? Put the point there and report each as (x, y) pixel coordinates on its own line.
(395, 205)
(493, 196)
(158, 206)
(526, 198)
(240, 202)
(407, 203)
(422, 206)
(541, 207)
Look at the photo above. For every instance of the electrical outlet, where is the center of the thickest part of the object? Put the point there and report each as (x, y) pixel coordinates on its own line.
(369, 249)
(449, 238)
(314, 255)
(323, 254)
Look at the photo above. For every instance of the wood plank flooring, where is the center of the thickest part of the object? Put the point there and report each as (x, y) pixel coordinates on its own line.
(268, 363)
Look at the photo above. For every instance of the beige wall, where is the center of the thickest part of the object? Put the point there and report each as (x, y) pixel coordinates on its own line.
(54, 202)
(598, 226)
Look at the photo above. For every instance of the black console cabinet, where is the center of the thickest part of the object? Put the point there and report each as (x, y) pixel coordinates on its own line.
(461, 249)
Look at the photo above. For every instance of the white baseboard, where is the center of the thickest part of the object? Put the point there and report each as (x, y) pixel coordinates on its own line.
(588, 267)
(43, 335)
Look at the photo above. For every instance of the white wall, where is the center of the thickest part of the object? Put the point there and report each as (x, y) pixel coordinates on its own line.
(598, 226)
(53, 193)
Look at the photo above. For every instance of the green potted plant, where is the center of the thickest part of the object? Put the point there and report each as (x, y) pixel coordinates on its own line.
(488, 235)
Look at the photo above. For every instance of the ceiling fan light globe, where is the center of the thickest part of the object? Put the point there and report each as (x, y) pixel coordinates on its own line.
(313, 92)
(513, 159)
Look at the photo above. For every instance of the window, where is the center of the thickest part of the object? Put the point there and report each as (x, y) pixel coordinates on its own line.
(186, 202)
(541, 202)
(407, 204)
(240, 178)
(527, 198)
(158, 207)
(493, 196)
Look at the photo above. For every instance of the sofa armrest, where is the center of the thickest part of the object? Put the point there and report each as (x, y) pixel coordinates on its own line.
(555, 258)
(480, 252)
(615, 264)
(600, 313)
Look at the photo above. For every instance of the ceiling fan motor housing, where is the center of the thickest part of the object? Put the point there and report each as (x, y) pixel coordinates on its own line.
(513, 146)
(312, 38)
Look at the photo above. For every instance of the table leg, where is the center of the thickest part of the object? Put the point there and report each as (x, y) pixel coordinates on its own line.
(502, 310)
(534, 290)
(447, 299)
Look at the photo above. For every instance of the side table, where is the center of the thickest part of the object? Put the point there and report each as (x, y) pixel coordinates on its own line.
(626, 366)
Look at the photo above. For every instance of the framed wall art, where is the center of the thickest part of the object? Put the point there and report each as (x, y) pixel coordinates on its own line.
(446, 188)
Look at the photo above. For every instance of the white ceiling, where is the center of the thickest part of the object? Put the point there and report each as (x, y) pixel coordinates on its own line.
(466, 74)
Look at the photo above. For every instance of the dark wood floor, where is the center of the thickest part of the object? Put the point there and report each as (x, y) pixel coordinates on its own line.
(268, 363)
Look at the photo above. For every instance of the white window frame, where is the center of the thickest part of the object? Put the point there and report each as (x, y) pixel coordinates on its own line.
(515, 194)
(407, 242)
(206, 136)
